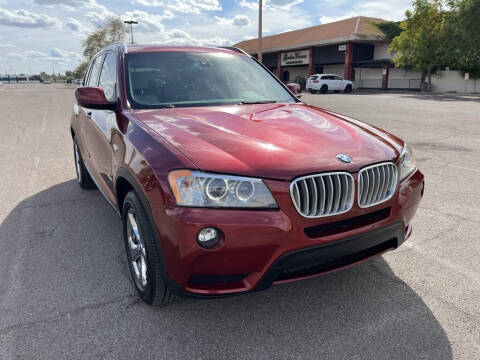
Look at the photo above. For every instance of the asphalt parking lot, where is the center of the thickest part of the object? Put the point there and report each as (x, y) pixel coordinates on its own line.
(65, 291)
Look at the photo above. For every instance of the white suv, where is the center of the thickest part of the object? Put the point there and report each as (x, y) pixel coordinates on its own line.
(326, 82)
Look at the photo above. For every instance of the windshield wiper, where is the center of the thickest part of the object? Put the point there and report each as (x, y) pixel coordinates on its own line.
(246, 102)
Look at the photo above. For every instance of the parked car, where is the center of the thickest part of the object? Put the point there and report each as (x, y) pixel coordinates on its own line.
(328, 82)
(47, 82)
(225, 182)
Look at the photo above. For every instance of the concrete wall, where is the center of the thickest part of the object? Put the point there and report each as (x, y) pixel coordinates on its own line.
(399, 78)
(334, 69)
(454, 81)
(368, 78)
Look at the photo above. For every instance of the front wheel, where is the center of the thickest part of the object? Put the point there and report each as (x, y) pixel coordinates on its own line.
(348, 88)
(143, 253)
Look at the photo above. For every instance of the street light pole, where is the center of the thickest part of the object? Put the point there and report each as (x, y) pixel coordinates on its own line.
(260, 31)
(131, 22)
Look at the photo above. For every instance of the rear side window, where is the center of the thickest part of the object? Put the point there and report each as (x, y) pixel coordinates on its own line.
(108, 77)
(97, 65)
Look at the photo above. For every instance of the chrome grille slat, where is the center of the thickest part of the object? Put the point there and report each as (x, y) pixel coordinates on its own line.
(314, 197)
(323, 194)
(337, 193)
(322, 209)
(376, 184)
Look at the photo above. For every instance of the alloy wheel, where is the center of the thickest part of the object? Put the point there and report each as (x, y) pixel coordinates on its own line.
(137, 251)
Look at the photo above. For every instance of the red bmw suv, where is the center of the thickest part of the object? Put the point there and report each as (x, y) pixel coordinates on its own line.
(227, 183)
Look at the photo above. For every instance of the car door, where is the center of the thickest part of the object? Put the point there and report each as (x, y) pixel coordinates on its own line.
(328, 80)
(338, 83)
(101, 124)
(84, 115)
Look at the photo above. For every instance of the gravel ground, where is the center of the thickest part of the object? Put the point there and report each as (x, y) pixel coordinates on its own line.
(65, 290)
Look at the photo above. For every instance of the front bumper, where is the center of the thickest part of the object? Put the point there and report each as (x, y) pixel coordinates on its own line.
(261, 248)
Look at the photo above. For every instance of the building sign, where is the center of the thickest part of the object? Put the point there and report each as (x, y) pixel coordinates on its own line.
(342, 47)
(301, 57)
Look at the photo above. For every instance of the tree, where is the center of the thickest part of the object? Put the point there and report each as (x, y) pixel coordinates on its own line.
(113, 31)
(420, 45)
(391, 29)
(462, 36)
(80, 70)
(94, 42)
(116, 30)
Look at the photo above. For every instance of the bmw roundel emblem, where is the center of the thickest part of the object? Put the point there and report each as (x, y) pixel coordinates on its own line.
(344, 158)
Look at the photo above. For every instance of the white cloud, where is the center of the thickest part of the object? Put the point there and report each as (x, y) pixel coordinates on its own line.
(147, 23)
(66, 3)
(63, 54)
(177, 36)
(76, 27)
(26, 19)
(329, 19)
(183, 6)
(100, 16)
(384, 10)
(273, 4)
(7, 45)
(237, 20)
(61, 59)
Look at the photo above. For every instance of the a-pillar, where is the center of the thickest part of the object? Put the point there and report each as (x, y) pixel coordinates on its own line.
(347, 71)
(385, 72)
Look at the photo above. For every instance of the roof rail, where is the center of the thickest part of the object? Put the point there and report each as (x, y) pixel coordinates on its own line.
(233, 48)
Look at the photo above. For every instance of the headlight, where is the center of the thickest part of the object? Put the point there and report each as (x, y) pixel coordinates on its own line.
(407, 162)
(195, 188)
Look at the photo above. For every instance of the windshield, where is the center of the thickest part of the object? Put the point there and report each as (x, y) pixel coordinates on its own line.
(174, 79)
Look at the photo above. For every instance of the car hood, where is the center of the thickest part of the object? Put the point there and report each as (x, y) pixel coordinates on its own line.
(277, 141)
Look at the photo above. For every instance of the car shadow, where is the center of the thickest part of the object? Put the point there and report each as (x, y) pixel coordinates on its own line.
(67, 289)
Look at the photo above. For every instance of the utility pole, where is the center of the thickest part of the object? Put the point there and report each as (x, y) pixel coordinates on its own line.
(260, 31)
(131, 22)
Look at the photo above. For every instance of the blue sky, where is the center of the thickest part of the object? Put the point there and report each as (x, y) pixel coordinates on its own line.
(42, 35)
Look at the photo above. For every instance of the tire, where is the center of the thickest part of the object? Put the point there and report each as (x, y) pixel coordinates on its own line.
(312, 91)
(143, 253)
(324, 89)
(83, 177)
(348, 88)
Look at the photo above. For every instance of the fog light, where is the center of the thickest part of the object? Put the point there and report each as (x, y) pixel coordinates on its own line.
(208, 237)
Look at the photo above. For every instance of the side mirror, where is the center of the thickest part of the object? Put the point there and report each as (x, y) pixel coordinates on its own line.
(93, 98)
(295, 89)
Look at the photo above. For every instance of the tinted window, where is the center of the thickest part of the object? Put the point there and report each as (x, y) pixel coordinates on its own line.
(93, 80)
(337, 78)
(197, 78)
(108, 77)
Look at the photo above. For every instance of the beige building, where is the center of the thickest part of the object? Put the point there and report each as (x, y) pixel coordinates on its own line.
(353, 48)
